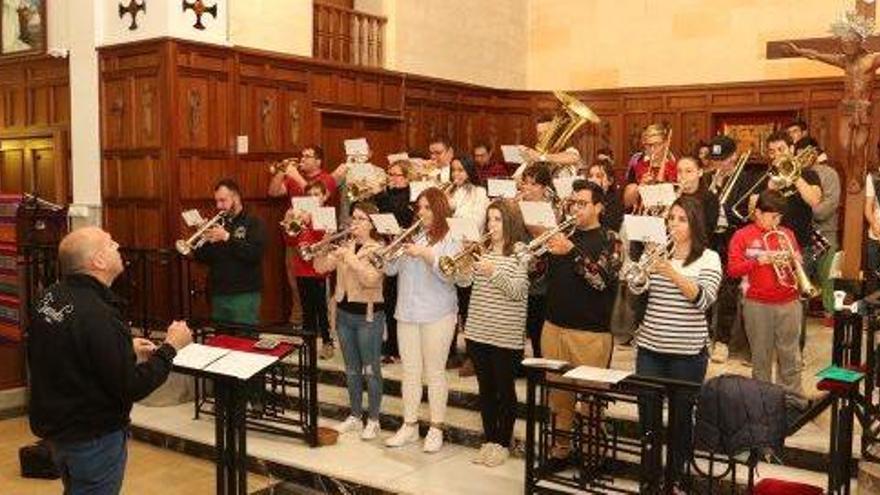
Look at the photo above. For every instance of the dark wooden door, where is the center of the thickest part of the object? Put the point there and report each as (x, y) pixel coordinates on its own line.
(29, 165)
(383, 135)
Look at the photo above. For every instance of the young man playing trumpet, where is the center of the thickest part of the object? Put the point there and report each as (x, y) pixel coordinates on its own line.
(234, 253)
(762, 251)
(582, 276)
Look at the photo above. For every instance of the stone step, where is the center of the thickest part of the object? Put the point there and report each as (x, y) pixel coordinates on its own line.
(806, 449)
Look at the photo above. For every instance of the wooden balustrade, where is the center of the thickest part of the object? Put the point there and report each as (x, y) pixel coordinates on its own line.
(348, 36)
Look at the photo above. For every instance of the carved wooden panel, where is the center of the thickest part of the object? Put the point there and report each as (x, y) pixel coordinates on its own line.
(295, 122)
(633, 124)
(370, 93)
(134, 177)
(266, 119)
(198, 175)
(694, 128)
(193, 107)
(147, 110)
(115, 105)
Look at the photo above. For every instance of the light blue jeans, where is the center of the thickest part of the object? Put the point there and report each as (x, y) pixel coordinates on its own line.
(361, 343)
(92, 467)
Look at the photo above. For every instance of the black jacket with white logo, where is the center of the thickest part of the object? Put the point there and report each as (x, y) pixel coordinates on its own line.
(236, 265)
(83, 372)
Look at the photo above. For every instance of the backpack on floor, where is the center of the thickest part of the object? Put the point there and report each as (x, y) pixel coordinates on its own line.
(36, 462)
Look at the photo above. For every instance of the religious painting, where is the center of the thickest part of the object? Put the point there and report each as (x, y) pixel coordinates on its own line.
(751, 129)
(22, 27)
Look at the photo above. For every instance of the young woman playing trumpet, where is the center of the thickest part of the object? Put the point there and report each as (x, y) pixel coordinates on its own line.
(360, 317)
(495, 330)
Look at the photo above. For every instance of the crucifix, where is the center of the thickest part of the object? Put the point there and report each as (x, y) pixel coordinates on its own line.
(198, 6)
(132, 9)
(857, 52)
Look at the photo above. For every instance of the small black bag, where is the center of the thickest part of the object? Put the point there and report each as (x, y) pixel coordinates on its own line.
(36, 462)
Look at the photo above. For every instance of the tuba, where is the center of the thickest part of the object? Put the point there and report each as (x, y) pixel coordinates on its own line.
(789, 271)
(197, 240)
(451, 265)
(564, 124)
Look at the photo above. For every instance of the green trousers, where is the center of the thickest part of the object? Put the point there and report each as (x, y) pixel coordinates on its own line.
(241, 308)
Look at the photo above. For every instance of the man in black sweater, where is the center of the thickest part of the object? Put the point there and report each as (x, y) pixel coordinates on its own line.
(84, 371)
(581, 285)
(234, 254)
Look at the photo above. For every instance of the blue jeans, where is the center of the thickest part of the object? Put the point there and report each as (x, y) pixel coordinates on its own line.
(361, 343)
(92, 467)
(677, 367)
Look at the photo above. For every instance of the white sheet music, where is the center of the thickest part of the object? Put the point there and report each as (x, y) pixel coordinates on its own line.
(305, 203)
(512, 153)
(417, 186)
(396, 157)
(553, 364)
(324, 218)
(501, 188)
(385, 223)
(463, 229)
(538, 213)
(197, 356)
(192, 218)
(593, 374)
(643, 228)
(356, 147)
(563, 186)
(242, 365)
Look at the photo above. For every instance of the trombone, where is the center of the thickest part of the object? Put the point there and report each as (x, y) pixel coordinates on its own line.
(538, 246)
(325, 245)
(386, 254)
(637, 275)
(452, 265)
(197, 240)
(789, 271)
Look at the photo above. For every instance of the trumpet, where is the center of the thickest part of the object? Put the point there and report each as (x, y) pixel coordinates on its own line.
(451, 265)
(384, 255)
(789, 270)
(325, 245)
(291, 227)
(281, 166)
(637, 275)
(538, 246)
(197, 240)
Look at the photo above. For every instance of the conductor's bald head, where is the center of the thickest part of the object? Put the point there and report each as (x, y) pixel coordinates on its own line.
(90, 251)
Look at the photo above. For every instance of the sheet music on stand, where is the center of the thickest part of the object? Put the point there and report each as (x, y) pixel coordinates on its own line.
(594, 374)
(238, 364)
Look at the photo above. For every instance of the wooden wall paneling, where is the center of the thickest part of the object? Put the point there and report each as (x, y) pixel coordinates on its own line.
(150, 230)
(266, 119)
(383, 134)
(633, 124)
(295, 119)
(694, 128)
(148, 126)
(193, 112)
(114, 107)
(13, 177)
(413, 127)
(198, 173)
(369, 93)
(392, 94)
(346, 89)
(335, 128)
(823, 127)
(119, 220)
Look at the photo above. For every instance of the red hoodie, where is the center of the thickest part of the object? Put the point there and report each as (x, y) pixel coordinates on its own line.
(299, 266)
(763, 286)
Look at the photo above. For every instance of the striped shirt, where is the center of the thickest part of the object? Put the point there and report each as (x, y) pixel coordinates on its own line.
(497, 312)
(672, 323)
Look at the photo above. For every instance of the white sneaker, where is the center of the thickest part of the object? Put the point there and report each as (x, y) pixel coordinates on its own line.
(480, 458)
(433, 440)
(406, 434)
(351, 423)
(371, 430)
(496, 455)
(720, 352)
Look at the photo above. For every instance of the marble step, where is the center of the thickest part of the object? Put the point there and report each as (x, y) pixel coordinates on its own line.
(806, 449)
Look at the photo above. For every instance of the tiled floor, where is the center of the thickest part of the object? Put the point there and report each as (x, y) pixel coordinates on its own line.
(150, 469)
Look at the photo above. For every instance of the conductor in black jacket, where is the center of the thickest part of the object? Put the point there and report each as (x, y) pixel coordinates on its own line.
(86, 370)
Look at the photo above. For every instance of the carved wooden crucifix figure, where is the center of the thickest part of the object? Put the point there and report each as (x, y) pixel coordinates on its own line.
(856, 53)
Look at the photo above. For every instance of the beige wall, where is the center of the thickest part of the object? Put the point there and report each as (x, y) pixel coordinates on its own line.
(277, 25)
(586, 44)
(477, 41)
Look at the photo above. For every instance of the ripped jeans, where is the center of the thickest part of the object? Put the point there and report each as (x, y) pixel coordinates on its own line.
(361, 343)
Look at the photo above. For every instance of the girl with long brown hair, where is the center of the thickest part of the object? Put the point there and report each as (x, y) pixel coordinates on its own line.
(426, 315)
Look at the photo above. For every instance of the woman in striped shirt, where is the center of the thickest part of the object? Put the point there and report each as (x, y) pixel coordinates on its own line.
(672, 337)
(495, 330)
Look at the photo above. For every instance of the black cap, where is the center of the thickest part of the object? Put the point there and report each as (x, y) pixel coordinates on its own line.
(721, 147)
